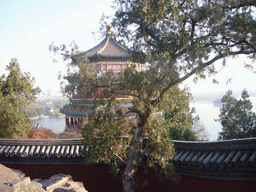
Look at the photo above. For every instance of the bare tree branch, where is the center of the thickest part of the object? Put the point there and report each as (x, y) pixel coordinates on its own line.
(200, 67)
(117, 156)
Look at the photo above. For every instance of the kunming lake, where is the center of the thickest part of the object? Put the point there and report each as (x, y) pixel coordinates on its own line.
(57, 125)
(206, 111)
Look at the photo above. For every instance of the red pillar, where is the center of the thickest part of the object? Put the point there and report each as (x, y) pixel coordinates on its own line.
(67, 121)
(72, 122)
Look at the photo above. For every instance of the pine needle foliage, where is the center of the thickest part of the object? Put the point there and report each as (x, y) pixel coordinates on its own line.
(16, 93)
(236, 117)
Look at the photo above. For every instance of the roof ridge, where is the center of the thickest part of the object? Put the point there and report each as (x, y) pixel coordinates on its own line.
(104, 46)
(120, 45)
(190, 145)
(41, 142)
(234, 144)
(96, 46)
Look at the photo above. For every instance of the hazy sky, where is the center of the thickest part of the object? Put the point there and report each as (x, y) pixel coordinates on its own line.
(27, 27)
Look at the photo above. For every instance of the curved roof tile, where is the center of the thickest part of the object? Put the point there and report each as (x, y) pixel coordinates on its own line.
(108, 47)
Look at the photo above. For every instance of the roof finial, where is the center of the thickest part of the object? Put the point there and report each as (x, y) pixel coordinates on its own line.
(110, 30)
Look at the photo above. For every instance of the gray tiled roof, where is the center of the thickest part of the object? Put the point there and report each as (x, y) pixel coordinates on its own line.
(108, 47)
(83, 108)
(231, 159)
(221, 159)
(41, 151)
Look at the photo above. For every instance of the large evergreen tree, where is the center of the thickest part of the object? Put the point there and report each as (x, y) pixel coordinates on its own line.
(236, 117)
(180, 39)
(16, 93)
(173, 40)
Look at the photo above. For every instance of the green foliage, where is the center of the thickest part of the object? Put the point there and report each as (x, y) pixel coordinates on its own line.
(14, 122)
(159, 147)
(40, 107)
(105, 137)
(16, 93)
(236, 117)
(186, 38)
(177, 115)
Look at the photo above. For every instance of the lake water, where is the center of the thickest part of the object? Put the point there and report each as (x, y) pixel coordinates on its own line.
(206, 111)
(57, 125)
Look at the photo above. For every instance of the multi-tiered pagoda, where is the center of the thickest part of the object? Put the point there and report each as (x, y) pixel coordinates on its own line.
(108, 55)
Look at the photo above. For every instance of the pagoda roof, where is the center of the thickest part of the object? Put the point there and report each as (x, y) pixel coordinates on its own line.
(108, 47)
(222, 160)
(77, 110)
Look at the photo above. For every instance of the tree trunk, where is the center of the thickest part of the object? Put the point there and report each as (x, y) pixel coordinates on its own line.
(135, 150)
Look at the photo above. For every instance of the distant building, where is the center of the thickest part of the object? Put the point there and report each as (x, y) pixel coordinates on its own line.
(50, 110)
(49, 92)
(108, 55)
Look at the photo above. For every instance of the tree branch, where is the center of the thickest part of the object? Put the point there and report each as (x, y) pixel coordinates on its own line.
(132, 110)
(200, 67)
(253, 47)
(117, 156)
(244, 4)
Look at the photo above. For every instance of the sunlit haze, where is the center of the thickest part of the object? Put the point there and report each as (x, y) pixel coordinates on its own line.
(27, 28)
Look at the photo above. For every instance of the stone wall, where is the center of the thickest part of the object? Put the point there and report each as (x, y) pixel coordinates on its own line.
(16, 181)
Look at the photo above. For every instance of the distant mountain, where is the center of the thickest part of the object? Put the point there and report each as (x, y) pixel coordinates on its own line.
(215, 97)
(206, 97)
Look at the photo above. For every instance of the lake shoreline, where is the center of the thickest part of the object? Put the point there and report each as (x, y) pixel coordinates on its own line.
(56, 124)
(46, 116)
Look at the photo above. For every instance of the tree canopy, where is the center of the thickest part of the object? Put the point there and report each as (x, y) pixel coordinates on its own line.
(16, 94)
(172, 41)
(180, 120)
(186, 37)
(180, 39)
(236, 117)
